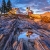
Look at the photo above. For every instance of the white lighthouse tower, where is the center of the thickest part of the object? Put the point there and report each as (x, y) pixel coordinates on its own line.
(27, 10)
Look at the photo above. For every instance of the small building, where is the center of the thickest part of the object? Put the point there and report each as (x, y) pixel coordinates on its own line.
(17, 10)
(30, 12)
(0, 12)
(14, 11)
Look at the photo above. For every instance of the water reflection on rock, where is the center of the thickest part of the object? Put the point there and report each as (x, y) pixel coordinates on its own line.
(25, 37)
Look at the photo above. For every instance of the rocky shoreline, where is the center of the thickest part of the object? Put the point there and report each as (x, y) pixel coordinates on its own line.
(10, 30)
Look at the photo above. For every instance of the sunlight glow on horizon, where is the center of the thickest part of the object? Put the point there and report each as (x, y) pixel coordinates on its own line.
(37, 6)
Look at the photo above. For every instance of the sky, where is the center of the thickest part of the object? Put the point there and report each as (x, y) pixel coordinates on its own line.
(37, 6)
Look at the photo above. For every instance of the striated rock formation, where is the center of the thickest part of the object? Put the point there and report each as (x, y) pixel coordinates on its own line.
(10, 29)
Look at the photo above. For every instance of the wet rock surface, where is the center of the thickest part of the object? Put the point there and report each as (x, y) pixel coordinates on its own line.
(10, 29)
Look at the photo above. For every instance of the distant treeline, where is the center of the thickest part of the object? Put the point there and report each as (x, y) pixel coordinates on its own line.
(5, 7)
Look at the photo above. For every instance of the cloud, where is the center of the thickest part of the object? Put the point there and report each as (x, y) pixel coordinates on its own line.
(34, 4)
(46, 8)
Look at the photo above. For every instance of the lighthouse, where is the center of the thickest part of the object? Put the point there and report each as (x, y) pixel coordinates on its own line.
(28, 11)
